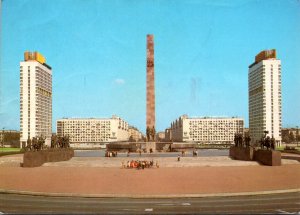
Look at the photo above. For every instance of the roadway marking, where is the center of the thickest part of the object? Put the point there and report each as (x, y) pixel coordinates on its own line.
(125, 209)
(284, 212)
(149, 209)
(186, 204)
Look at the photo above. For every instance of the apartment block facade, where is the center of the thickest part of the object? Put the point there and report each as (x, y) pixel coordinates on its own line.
(264, 81)
(134, 134)
(35, 98)
(93, 132)
(206, 129)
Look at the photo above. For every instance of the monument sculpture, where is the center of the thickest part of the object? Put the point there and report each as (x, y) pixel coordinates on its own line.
(150, 144)
(241, 149)
(239, 141)
(267, 142)
(150, 111)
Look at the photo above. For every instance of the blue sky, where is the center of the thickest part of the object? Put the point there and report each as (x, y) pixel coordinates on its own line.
(97, 50)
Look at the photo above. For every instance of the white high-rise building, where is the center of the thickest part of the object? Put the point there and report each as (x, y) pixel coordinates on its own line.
(35, 98)
(264, 79)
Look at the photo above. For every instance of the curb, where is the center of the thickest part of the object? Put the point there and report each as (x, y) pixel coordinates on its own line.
(3, 191)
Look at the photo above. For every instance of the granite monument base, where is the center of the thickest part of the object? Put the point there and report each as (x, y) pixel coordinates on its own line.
(179, 147)
(163, 146)
(268, 157)
(38, 158)
(123, 146)
(150, 147)
(241, 153)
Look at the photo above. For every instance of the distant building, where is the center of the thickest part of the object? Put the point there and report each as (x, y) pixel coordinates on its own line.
(168, 134)
(92, 132)
(134, 134)
(35, 98)
(206, 129)
(290, 135)
(10, 138)
(160, 136)
(264, 79)
(246, 132)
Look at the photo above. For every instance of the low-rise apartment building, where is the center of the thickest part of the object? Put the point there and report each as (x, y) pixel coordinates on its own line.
(206, 129)
(93, 132)
(134, 134)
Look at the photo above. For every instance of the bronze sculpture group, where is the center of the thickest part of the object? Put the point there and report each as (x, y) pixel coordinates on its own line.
(267, 142)
(239, 141)
(38, 143)
(35, 144)
(150, 133)
(60, 142)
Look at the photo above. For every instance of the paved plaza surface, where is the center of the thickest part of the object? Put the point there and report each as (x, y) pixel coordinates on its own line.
(192, 176)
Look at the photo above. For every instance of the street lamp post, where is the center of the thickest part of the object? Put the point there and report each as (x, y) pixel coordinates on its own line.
(297, 134)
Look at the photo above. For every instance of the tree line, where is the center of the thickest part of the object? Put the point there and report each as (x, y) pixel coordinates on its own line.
(289, 137)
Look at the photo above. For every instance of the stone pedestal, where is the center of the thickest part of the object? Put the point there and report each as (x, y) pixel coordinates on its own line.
(179, 147)
(150, 145)
(241, 153)
(163, 146)
(268, 157)
(38, 158)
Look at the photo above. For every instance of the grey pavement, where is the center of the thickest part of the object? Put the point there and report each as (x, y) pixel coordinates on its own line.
(288, 203)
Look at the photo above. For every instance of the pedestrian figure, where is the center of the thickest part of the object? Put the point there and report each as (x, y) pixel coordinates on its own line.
(143, 165)
(178, 158)
(194, 153)
(151, 163)
(157, 166)
(128, 164)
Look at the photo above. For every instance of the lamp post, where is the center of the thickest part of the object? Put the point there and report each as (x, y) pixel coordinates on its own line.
(297, 134)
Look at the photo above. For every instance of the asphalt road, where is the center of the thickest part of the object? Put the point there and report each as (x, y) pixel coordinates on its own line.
(273, 203)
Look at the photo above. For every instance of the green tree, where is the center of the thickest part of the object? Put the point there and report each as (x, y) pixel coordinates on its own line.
(54, 140)
(297, 135)
(286, 138)
(292, 137)
(11, 138)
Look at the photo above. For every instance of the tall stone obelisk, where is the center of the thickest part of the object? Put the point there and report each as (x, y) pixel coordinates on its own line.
(150, 112)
